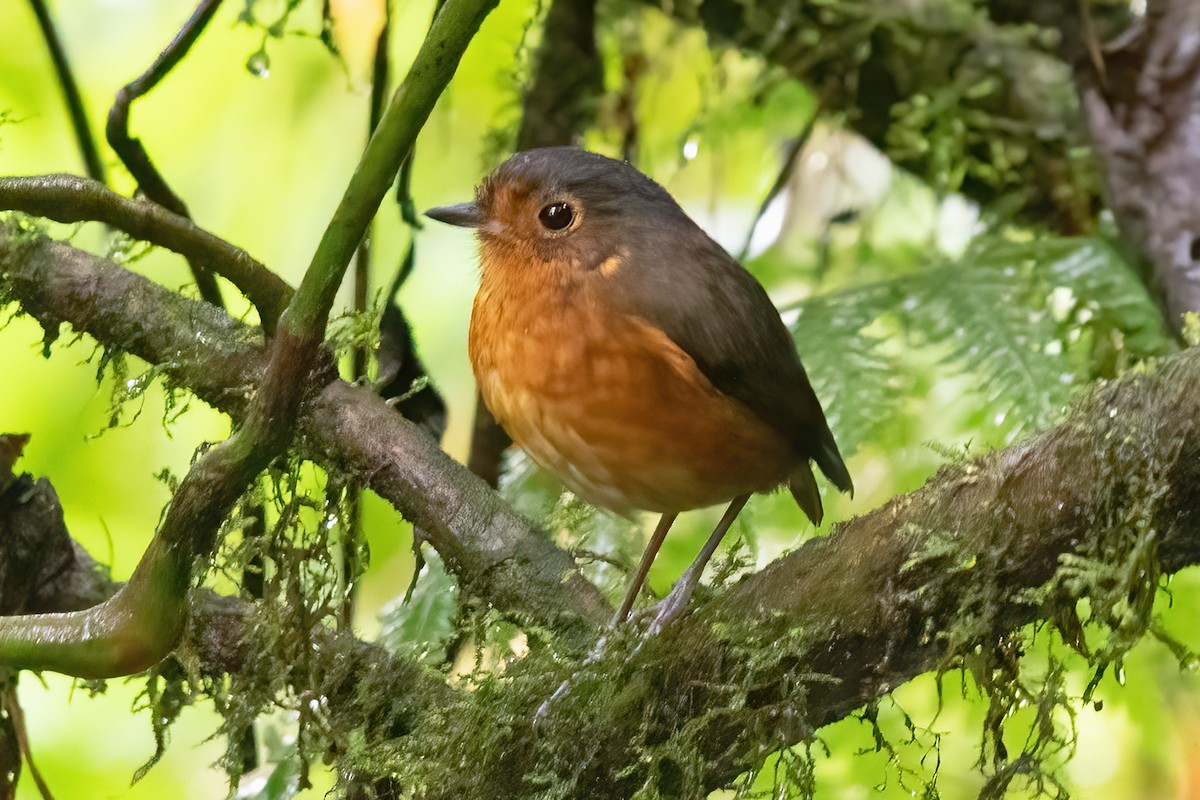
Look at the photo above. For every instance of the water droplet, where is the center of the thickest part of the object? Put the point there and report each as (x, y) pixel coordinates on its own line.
(259, 63)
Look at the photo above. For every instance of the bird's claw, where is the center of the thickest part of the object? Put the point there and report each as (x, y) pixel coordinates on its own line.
(667, 610)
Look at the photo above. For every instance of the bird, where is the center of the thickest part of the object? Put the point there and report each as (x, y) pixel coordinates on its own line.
(631, 356)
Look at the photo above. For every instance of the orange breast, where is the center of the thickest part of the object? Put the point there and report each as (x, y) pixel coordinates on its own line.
(611, 405)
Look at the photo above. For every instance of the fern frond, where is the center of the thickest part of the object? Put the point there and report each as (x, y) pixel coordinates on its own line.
(1033, 320)
(860, 383)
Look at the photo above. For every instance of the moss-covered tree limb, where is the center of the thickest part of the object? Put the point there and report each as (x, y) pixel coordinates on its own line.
(1099, 506)
(492, 550)
(43, 569)
(142, 622)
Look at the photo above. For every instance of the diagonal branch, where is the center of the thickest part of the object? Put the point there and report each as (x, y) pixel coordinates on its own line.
(131, 151)
(1097, 507)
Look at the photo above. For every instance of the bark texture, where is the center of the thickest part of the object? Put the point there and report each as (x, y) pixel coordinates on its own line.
(1099, 506)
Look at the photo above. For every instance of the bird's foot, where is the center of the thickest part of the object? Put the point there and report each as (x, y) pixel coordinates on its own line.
(543, 711)
(670, 608)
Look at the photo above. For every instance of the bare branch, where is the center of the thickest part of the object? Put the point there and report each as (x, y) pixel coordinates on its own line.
(74, 100)
(67, 198)
(131, 152)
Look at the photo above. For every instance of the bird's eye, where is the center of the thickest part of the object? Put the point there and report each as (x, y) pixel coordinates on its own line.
(556, 216)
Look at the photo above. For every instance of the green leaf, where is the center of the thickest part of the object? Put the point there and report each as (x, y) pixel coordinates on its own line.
(1033, 320)
(421, 626)
(283, 783)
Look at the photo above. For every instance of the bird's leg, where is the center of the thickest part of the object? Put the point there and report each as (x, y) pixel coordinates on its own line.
(674, 603)
(635, 586)
(639, 577)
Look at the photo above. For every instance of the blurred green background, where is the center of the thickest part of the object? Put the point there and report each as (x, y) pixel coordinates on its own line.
(262, 160)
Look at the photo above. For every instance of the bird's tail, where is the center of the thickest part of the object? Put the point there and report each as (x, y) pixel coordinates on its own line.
(803, 487)
(803, 484)
(830, 461)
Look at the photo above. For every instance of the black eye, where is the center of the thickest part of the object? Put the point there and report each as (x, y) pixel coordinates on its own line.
(556, 216)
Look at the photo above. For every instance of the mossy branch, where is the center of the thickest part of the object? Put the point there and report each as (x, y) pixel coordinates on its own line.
(69, 198)
(142, 622)
(1097, 507)
(493, 551)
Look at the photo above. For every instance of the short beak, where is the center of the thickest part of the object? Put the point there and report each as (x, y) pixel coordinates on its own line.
(464, 215)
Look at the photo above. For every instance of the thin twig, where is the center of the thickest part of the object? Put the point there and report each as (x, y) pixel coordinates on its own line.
(70, 90)
(12, 705)
(362, 258)
(790, 160)
(69, 199)
(134, 156)
(380, 76)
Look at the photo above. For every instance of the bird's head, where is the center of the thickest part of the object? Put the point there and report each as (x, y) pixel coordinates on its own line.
(564, 206)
